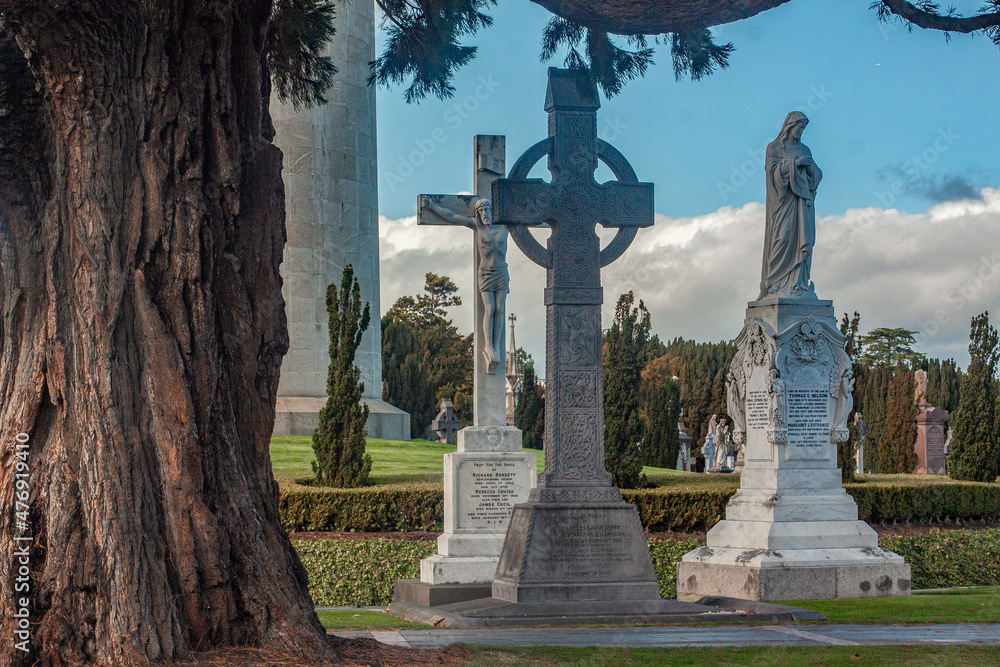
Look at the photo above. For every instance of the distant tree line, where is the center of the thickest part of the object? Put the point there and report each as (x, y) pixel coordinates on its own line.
(424, 357)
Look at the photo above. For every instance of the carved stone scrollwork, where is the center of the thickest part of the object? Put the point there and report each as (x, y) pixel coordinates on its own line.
(578, 336)
(777, 428)
(587, 494)
(578, 388)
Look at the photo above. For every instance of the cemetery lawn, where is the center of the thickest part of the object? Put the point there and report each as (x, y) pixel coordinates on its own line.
(759, 656)
(364, 619)
(956, 605)
(418, 461)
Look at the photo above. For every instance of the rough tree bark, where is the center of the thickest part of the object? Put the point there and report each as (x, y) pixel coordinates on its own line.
(141, 331)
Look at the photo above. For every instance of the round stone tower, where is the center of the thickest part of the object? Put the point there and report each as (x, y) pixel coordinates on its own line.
(331, 199)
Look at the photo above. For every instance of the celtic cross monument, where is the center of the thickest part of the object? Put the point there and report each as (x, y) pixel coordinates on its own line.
(574, 538)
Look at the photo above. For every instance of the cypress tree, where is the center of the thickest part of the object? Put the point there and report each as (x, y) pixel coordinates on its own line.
(975, 448)
(529, 414)
(624, 345)
(896, 453)
(405, 384)
(660, 409)
(339, 441)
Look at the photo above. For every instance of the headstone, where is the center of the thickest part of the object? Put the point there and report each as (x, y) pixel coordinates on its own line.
(490, 472)
(791, 531)
(860, 432)
(446, 424)
(930, 442)
(574, 539)
(513, 374)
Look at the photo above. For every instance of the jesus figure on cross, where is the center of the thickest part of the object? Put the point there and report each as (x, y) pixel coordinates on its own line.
(494, 279)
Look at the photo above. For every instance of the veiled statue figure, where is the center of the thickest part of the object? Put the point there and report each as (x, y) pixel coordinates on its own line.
(790, 233)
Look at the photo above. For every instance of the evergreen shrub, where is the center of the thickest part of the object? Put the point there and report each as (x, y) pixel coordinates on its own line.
(421, 506)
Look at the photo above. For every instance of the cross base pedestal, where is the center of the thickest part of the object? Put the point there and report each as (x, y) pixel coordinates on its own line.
(572, 551)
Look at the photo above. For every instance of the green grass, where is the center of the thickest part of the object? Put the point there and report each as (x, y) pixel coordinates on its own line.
(401, 462)
(971, 605)
(759, 656)
(363, 619)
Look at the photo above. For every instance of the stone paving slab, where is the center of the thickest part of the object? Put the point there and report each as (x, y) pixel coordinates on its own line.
(770, 635)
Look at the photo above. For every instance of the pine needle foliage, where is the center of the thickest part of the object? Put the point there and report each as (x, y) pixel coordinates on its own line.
(423, 42)
(339, 441)
(975, 448)
(296, 39)
(625, 348)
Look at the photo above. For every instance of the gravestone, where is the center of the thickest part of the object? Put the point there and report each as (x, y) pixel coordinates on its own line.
(930, 442)
(860, 433)
(446, 424)
(574, 539)
(791, 531)
(490, 472)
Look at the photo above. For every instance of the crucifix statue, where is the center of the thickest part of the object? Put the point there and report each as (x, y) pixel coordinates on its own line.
(574, 532)
(492, 279)
(492, 276)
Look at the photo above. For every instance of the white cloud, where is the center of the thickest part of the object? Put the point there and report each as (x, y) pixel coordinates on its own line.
(930, 271)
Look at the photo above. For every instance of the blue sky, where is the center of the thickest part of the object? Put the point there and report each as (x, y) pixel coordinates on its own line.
(904, 126)
(878, 98)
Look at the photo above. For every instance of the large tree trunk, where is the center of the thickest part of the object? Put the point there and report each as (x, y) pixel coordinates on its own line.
(141, 331)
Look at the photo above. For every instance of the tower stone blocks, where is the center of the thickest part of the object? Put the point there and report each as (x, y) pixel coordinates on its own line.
(331, 198)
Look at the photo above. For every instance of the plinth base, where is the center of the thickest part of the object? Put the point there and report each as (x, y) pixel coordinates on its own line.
(416, 592)
(493, 613)
(438, 569)
(575, 551)
(796, 574)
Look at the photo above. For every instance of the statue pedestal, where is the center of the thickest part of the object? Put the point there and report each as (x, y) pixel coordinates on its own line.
(791, 532)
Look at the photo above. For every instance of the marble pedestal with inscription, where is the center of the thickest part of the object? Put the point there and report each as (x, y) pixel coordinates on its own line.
(483, 480)
(791, 532)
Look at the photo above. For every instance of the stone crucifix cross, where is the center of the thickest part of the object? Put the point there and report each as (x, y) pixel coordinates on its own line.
(491, 276)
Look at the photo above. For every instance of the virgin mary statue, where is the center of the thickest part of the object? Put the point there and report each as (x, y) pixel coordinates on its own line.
(790, 233)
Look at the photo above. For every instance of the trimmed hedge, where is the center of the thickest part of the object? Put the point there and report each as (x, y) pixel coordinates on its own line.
(371, 509)
(679, 508)
(362, 572)
(359, 572)
(950, 557)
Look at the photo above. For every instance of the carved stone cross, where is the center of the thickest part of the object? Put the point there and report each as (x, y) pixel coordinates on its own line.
(573, 204)
(574, 539)
(489, 386)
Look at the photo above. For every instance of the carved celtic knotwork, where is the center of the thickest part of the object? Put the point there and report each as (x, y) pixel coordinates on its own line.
(580, 442)
(578, 388)
(578, 338)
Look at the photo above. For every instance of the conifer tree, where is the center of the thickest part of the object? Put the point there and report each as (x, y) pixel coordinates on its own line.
(624, 347)
(660, 406)
(339, 441)
(896, 453)
(975, 449)
(529, 414)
